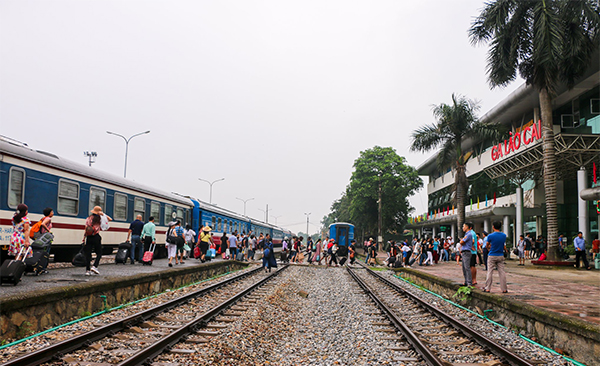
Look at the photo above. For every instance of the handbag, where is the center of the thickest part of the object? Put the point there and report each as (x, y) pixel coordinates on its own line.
(300, 257)
(79, 259)
(516, 251)
(186, 247)
(197, 253)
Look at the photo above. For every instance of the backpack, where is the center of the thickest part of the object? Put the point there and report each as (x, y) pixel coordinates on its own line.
(36, 228)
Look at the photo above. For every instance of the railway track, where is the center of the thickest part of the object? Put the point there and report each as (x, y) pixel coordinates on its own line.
(438, 338)
(139, 338)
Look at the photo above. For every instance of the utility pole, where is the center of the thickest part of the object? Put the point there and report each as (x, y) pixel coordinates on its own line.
(379, 233)
(307, 235)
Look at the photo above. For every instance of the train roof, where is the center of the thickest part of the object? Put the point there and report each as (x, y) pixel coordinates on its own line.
(342, 223)
(21, 150)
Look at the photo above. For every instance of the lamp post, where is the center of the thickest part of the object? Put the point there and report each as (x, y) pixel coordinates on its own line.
(266, 213)
(127, 146)
(276, 217)
(307, 235)
(211, 184)
(249, 199)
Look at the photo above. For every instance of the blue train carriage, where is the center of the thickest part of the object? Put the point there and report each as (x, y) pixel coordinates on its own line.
(40, 179)
(342, 233)
(220, 220)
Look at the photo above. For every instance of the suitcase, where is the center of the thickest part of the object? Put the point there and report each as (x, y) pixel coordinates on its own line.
(343, 260)
(211, 253)
(12, 270)
(412, 261)
(398, 264)
(240, 256)
(38, 262)
(283, 256)
(122, 254)
(148, 257)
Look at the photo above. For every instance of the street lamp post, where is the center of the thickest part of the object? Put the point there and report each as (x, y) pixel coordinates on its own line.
(266, 213)
(211, 184)
(249, 199)
(126, 146)
(276, 217)
(307, 235)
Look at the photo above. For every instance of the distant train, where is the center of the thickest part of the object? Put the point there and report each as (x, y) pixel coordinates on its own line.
(40, 179)
(343, 234)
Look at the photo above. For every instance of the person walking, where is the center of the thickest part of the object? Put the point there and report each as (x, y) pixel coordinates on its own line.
(224, 246)
(204, 242)
(93, 240)
(252, 244)
(467, 244)
(179, 234)
(497, 243)
(351, 251)
(580, 252)
(172, 243)
(148, 236)
(190, 239)
(521, 250)
(331, 250)
(318, 247)
(429, 251)
(20, 235)
(135, 232)
(233, 245)
(45, 224)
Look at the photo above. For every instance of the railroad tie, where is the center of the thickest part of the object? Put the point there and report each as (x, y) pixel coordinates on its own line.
(207, 333)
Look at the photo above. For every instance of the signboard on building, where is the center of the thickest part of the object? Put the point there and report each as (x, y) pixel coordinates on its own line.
(527, 135)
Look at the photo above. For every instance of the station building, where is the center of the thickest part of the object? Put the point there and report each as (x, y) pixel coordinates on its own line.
(506, 180)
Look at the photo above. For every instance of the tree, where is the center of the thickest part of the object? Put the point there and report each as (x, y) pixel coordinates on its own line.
(455, 122)
(381, 175)
(546, 42)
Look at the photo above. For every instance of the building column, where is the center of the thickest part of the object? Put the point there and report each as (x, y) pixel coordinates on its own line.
(434, 231)
(506, 230)
(487, 226)
(453, 231)
(519, 215)
(538, 226)
(584, 225)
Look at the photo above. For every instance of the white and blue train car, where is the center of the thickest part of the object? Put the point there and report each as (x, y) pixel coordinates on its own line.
(40, 179)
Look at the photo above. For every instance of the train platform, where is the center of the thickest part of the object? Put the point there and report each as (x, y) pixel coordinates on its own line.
(567, 291)
(66, 275)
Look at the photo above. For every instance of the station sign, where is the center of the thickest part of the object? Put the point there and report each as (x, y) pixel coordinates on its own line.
(530, 133)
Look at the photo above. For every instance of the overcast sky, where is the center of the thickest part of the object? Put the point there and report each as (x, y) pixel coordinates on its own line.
(277, 97)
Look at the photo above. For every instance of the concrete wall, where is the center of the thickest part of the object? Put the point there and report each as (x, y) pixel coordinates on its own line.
(31, 313)
(578, 339)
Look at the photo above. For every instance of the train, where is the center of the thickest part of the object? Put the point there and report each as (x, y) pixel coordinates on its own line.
(343, 234)
(41, 179)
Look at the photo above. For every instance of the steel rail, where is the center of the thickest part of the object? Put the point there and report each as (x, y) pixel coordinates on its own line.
(146, 355)
(56, 351)
(491, 345)
(424, 351)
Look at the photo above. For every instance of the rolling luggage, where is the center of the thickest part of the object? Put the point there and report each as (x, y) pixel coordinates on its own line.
(12, 270)
(240, 256)
(38, 262)
(149, 255)
(283, 257)
(412, 261)
(211, 253)
(343, 260)
(122, 253)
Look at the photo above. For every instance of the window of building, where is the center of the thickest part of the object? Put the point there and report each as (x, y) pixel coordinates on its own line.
(16, 190)
(139, 207)
(168, 214)
(97, 198)
(155, 211)
(68, 197)
(120, 209)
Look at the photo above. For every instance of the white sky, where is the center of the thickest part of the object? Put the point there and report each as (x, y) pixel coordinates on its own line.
(277, 97)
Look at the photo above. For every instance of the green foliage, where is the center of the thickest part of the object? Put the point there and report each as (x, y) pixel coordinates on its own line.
(544, 41)
(359, 204)
(85, 313)
(463, 294)
(24, 329)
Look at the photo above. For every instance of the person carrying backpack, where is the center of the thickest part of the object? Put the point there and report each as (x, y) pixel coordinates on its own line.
(43, 226)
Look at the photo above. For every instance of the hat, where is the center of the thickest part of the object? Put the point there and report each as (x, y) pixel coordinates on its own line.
(286, 238)
(371, 239)
(449, 237)
(97, 210)
(207, 228)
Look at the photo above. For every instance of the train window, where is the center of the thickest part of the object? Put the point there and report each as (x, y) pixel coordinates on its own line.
(16, 190)
(214, 220)
(97, 198)
(230, 226)
(155, 211)
(219, 224)
(139, 207)
(120, 210)
(68, 197)
(168, 212)
(180, 216)
(224, 226)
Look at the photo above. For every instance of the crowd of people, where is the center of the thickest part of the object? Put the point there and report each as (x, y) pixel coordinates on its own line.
(474, 249)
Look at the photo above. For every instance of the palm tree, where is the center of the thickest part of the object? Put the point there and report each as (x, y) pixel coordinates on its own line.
(455, 123)
(546, 42)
